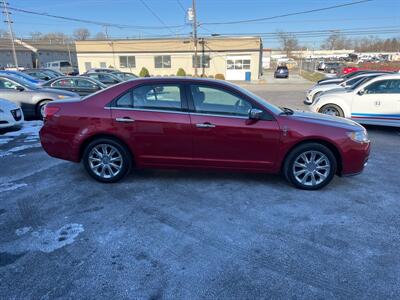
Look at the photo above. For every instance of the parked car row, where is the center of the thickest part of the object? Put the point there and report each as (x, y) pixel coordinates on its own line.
(32, 89)
(368, 97)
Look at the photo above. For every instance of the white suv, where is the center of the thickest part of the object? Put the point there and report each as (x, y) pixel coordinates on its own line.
(375, 101)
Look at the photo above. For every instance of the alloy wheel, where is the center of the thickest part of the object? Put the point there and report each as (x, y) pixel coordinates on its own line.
(311, 168)
(105, 161)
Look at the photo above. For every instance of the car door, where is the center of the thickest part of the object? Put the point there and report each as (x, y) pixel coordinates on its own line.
(155, 121)
(224, 136)
(378, 102)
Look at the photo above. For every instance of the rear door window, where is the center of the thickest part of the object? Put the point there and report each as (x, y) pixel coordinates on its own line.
(157, 97)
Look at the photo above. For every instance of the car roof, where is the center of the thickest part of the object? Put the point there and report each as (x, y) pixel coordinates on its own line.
(387, 76)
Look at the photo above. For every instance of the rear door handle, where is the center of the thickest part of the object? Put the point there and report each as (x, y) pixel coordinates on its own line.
(205, 125)
(125, 119)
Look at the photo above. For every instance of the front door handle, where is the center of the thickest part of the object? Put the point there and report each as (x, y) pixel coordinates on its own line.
(125, 119)
(205, 125)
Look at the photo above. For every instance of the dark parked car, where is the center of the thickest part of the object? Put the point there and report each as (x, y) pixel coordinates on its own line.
(78, 84)
(105, 78)
(40, 74)
(281, 72)
(30, 97)
(200, 123)
(332, 67)
(125, 75)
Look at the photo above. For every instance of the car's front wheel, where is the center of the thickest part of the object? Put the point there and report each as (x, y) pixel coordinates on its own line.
(107, 160)
(332, 110)
(40, 109)
(310, 166)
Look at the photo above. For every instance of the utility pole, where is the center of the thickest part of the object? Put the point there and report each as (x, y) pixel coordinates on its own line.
(195, 37)
(10, 31)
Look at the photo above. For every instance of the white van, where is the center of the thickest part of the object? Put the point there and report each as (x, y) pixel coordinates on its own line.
(62, 66)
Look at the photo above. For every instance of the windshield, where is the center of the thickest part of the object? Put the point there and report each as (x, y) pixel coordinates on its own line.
(360, 82)
(65, 64)
(25, 83)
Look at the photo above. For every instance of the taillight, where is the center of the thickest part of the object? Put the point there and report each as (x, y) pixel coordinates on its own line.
(50, 111)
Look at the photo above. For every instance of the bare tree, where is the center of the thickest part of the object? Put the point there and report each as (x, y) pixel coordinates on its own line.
(36, 35)
(81, 34)
(101, 36)
(288, 42)
(336, 41)
(4, 34)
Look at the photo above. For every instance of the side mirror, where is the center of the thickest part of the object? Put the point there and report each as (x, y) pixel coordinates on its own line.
(19, 88)
(255, 114)
(361, 92)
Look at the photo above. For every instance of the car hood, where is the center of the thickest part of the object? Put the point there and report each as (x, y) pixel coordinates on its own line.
(317, 118)
(7, 105)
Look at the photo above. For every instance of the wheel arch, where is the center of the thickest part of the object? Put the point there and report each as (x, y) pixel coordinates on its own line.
(342, 104)
(91, 138)
(331, 146)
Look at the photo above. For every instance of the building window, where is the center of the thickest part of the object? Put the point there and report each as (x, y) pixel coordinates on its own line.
(238, 64)
(103, 65)
(203, 61)
(127, 62)
(162, 61)
(88, 66)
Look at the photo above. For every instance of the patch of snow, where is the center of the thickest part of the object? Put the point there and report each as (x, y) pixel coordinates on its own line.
(19, 148)
(44, 240)
(5, 187)
(23, 230)
(29, 128)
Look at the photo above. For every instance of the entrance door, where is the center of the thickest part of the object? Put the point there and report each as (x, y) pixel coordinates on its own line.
(237, 66)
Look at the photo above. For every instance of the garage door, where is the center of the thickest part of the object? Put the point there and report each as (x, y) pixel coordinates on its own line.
(237, 66)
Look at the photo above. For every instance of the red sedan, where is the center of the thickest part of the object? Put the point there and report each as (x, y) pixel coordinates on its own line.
(200, 123)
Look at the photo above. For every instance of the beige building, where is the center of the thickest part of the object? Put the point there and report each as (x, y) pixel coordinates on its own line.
(234, 57)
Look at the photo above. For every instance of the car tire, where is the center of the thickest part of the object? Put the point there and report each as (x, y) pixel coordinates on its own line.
(107, 160)
(40, 109)
(310, 166)
(332, 110)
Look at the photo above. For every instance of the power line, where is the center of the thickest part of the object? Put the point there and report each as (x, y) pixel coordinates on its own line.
(181, 6)
(287, 15)
(120, 26)
(154, 14)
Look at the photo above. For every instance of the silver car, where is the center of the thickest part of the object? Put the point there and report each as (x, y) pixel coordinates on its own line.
(30, 97)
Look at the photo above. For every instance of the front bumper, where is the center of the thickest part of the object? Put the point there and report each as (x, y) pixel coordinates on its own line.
(355, 158)
(11, 118)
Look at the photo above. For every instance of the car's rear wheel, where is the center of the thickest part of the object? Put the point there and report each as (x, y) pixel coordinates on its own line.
(40, 109)
(332, 110)
(107, 160)
(310, 166)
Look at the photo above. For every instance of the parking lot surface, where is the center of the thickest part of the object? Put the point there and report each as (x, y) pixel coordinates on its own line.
(189, 235)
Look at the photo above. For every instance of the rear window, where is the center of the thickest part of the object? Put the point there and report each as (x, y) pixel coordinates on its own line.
(65, 64)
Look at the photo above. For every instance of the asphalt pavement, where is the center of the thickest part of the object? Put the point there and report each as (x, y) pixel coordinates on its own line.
(197, 235)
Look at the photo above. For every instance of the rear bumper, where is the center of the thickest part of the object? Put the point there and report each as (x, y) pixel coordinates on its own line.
(58, 144)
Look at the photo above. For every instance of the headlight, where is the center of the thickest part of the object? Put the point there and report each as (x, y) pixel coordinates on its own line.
(359, 136)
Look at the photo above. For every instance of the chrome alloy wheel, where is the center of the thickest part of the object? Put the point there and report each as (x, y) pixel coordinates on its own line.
(311, 168)
(105, 161)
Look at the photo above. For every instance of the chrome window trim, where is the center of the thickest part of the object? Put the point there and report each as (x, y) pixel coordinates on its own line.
(177, 112)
